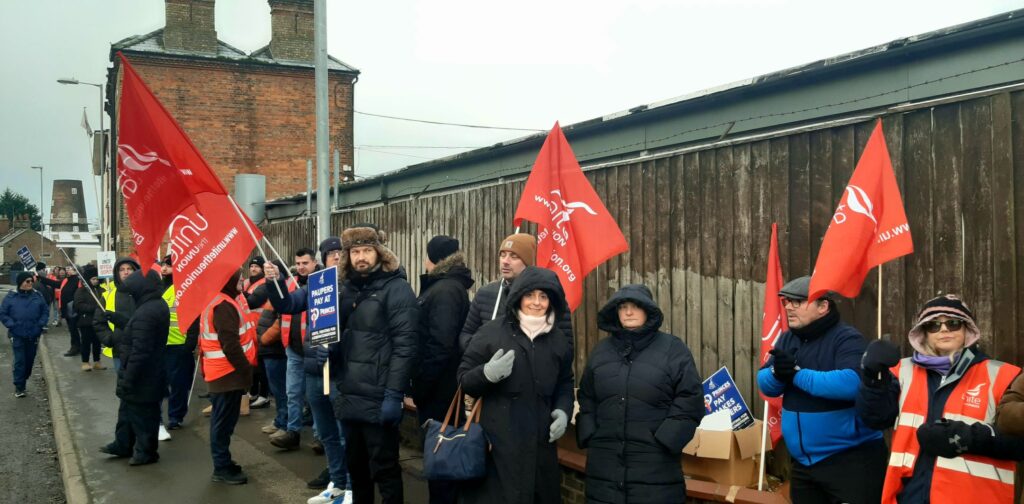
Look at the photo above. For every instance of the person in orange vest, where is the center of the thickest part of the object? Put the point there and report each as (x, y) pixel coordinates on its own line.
(942, 401)
(254, 290)
(227, 345)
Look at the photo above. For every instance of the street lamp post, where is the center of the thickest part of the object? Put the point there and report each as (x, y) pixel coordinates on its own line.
(103, 161)
(40, 168)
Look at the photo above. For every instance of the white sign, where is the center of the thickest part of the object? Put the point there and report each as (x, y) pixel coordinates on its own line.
(105, 264)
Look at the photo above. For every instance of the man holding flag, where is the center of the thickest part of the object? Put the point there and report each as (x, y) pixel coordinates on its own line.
(814, 367)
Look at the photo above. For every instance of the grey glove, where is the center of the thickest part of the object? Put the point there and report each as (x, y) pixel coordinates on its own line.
(500, 365)
(559, 421)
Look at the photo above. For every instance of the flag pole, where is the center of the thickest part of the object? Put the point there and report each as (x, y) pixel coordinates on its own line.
(245, 222)
(501, 285)
(287, 271)
(764, 436)
(80, 277)
(879, 327)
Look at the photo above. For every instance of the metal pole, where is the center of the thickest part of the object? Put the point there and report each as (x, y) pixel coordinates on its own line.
(323, 212)
(309, 188)
(41, 228)
(103, 171)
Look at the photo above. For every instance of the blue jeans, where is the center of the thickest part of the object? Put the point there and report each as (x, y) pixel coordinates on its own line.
(277, 372)
(223, 419)
(328, 429)
(180, 367)
(24, 359)
(295, 387)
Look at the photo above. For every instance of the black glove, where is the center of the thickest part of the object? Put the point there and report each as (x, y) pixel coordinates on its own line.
(876, 361)
(950, 438)
(119, 320)
(784, 365)
(322, 355)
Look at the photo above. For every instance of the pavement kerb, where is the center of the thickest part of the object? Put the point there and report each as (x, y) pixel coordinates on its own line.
(70, 466)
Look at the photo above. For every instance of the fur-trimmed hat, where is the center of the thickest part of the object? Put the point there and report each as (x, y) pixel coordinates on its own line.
(366, 235)
(951, 306)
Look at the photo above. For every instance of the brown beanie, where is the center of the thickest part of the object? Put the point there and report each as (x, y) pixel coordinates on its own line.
(523, 245)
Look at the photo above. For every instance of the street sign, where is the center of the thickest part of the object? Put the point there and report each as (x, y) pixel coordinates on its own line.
(105, 264)
(322, 306)
(26, 258)
(720, 393)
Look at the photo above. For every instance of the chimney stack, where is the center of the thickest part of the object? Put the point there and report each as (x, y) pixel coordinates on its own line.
(189, 26)
(291, 30)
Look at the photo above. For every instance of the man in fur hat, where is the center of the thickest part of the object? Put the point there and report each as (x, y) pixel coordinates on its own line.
(374, 361)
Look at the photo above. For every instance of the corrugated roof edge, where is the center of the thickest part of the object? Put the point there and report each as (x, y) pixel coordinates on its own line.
(914, 42)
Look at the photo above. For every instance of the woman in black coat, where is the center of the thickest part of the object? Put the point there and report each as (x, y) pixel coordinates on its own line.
(86, 306)
(641, 400)
(520, 366)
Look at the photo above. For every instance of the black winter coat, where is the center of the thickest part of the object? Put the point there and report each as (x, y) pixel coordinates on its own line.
(444, 303)
(123, 304)
(482, 308)
(641, 400)
(522, 466)
(267, 318)
(142, 347)
(378, 345)
(67, 293)
(85, 305)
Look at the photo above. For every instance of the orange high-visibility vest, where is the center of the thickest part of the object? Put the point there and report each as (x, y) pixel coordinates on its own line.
(967, 478)
(286, 319)
(215, 363)
(252, 315)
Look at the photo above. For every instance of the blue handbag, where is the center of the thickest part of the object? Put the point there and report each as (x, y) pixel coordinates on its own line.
(454, 453)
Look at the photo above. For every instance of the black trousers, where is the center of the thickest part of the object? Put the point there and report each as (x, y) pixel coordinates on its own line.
(90, 344)
(222, 425)
(855, 476)
(372, 452)
(260, 383)
(73, 331)
(137, 428)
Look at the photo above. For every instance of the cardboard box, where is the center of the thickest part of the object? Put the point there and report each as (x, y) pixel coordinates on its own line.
(727, 457)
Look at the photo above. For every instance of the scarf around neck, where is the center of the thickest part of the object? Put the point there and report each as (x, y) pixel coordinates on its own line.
(533, 326)
(939, 364)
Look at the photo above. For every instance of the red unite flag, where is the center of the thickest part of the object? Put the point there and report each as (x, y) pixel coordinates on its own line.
(575, 230)
(170, 191)
(773, 324)
(868, 228)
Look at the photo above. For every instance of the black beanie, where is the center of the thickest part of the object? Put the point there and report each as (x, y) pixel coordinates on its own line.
(330, 244)
(440, 247)
(257, 261)
(40, 266)
(22, 276)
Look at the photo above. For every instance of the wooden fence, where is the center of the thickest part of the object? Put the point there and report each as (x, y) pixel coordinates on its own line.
(698, 225)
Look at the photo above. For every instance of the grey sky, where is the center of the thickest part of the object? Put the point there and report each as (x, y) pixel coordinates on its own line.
(521, 64)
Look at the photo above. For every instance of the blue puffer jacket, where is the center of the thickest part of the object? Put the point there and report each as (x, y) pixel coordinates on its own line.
(818, 414)
(24, 314)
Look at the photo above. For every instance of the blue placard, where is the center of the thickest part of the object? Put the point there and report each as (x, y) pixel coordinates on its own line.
(322, 306)
(26, 258)
(720, 393)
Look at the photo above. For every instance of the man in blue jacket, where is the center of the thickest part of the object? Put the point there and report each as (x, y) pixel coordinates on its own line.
(24, 313)
(814, 367)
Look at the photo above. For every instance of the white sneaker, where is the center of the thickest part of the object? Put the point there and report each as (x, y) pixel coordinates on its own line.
(331, 496)
(163, 435)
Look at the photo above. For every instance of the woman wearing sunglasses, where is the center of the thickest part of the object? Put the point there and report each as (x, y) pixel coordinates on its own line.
(942, 401)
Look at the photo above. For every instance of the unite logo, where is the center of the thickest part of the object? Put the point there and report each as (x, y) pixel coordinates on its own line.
(857, 201)
(184, 232)
(561, 214)
(972, 396)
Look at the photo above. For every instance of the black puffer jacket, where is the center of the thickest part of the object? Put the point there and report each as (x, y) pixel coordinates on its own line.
(85, 304)
(641, 400)
(379, 340)
(142, 377)
(123, 304)
(522, 466)
(444, 303)
(482, 307)
(267, 318)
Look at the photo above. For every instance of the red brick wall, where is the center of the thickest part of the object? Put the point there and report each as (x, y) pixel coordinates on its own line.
(252, 119)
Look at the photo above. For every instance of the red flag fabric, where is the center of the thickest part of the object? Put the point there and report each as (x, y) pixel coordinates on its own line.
(208, 243)
(158, 169)
(773, 324)
(576, 232)
(868, 228)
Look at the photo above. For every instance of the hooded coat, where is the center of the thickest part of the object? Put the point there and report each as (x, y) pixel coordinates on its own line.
(482, 308)
(444, 302)
(641, 400)
(85, 303)
(123, 304)
(522, 466)
(142, 378)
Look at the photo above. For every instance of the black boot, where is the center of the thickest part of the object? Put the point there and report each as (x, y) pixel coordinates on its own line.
(320, 482)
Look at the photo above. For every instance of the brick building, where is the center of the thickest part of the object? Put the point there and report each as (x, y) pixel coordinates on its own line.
(246, 113)
(17, 234)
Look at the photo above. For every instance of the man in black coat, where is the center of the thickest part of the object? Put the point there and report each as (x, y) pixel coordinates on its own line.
(67, 286)
(641, 400)
(142, 382)
(444, 303)
(110, 322)
(515, 253)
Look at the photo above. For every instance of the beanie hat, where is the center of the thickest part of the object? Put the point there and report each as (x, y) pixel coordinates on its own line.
(257, 261)
(88, 272)
(440, 247)
(40, 266)
(167, 260)
(951, 306)
(22, 276)
(523, 245)
(330, 244)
